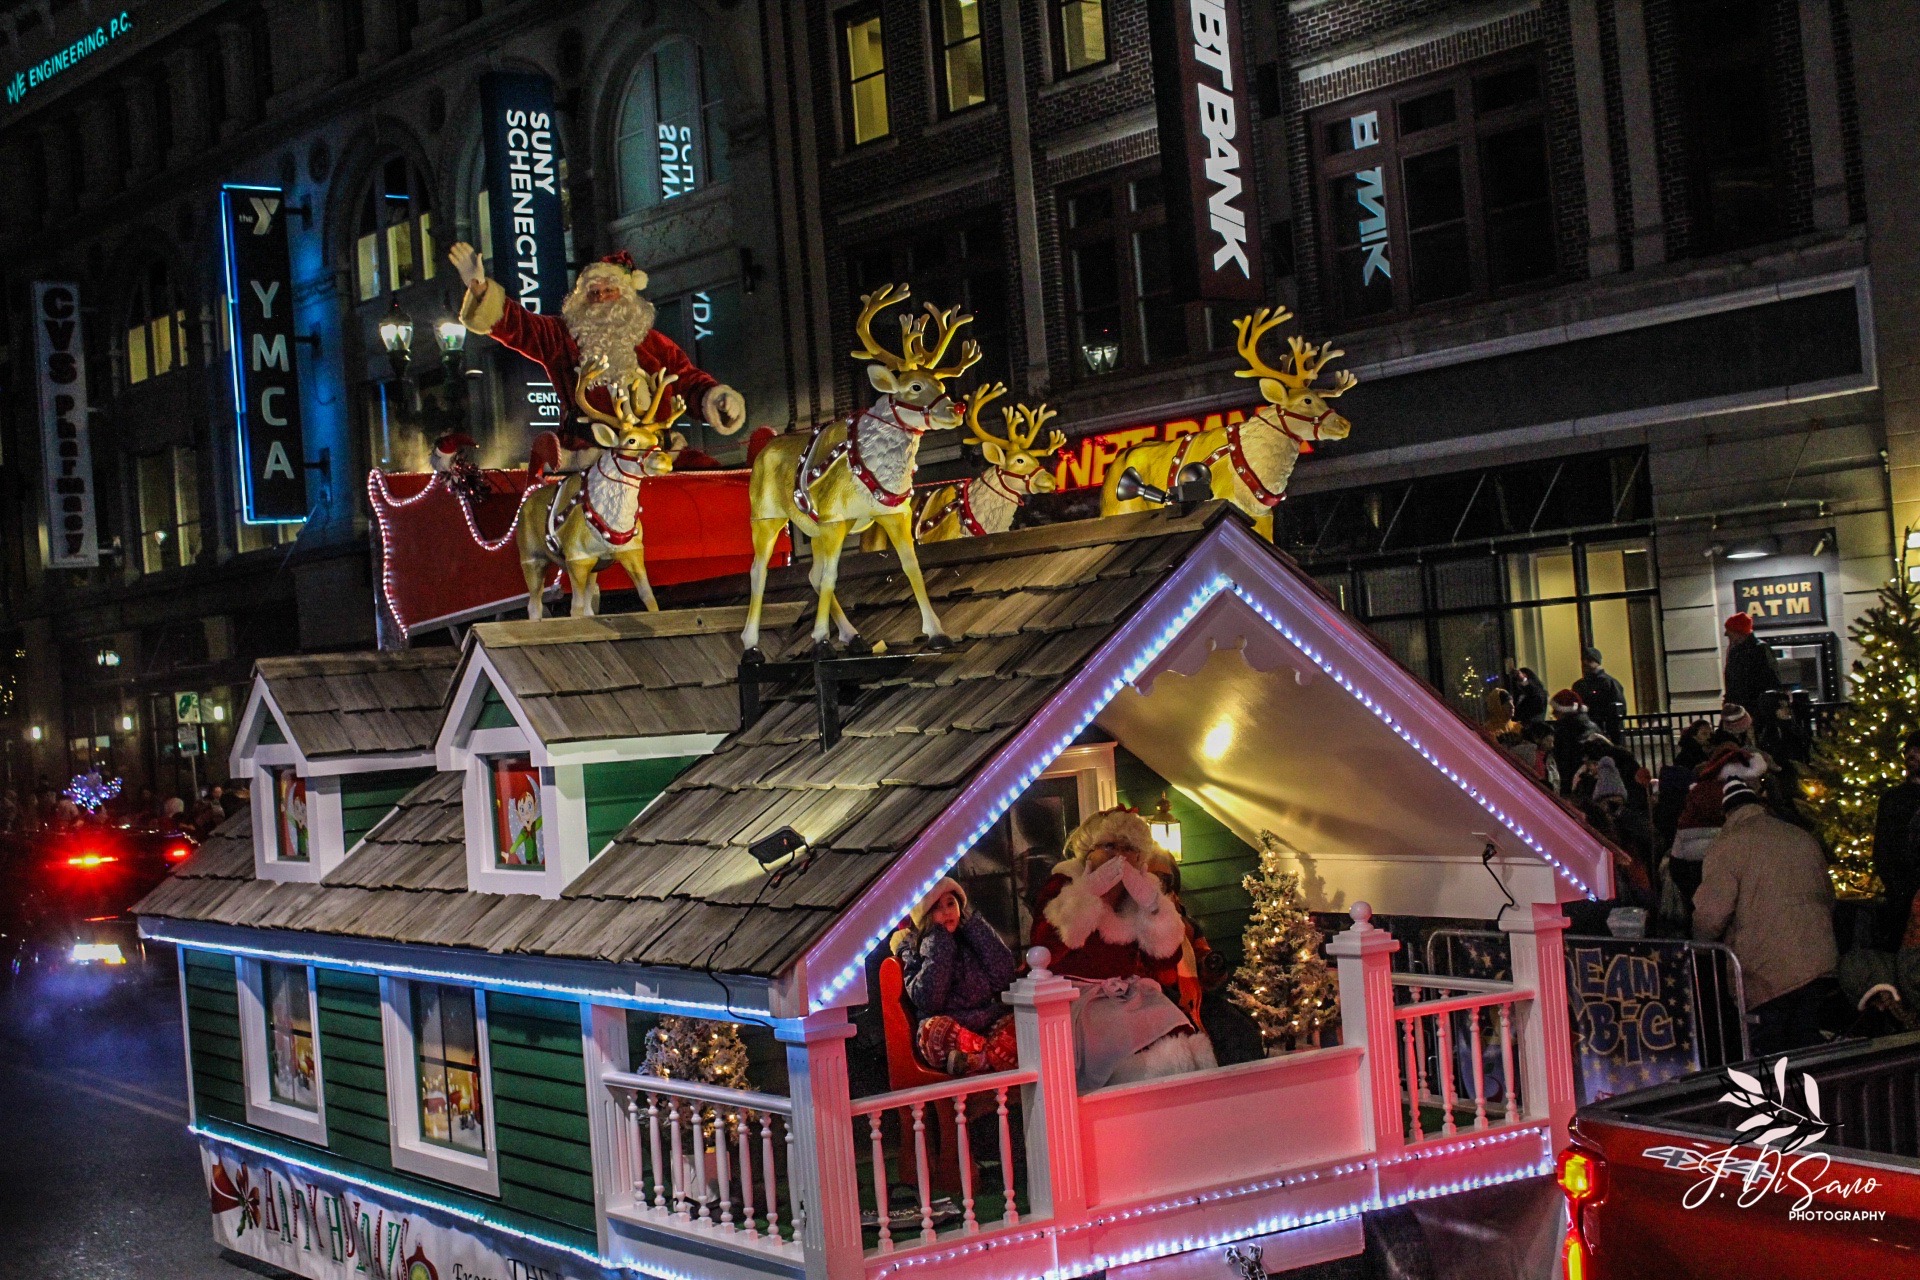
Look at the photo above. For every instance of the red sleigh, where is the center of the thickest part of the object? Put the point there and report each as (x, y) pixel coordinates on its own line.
(445, 559)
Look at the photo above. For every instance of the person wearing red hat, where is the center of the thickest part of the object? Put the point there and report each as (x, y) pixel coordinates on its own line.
(604, 316)
(1571, 727)
(1750, 672)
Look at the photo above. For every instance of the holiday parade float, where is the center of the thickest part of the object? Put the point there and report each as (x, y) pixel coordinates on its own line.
(567, 952)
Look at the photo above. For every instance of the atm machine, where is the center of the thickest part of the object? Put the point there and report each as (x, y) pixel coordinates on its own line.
(1809, 662)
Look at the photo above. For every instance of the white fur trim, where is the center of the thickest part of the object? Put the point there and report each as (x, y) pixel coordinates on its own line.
(1755, 765)
(1173, 1054)
(1077, 912)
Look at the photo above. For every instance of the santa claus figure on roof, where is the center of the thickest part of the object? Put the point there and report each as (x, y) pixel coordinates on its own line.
(604, 316)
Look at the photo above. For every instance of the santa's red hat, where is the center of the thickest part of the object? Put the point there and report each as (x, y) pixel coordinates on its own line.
(448, 448)
(619, 267)
(1566, 702)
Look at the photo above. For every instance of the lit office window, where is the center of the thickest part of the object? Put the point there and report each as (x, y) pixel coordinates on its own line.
(866, 76)
(962, 55)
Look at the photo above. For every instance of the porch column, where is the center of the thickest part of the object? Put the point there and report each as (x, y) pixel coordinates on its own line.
(822, 1125)
(1043, 1027)
(1365, 957)
(1546, 1040)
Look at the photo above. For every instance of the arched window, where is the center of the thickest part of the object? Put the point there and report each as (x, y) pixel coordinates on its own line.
(156, 327)
(672, 137)
(393, 239)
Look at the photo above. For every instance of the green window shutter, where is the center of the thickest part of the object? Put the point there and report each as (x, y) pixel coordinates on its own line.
(365, 798)
(213, 1032)
(619, 790)
(540, 1108)
(493, 712)
(353, 1067)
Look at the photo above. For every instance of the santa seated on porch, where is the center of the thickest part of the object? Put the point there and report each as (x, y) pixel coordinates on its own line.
(604, 316)
(1108, 922)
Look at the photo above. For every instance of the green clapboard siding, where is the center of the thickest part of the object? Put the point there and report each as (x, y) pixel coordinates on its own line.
(540, 1108)
(353, 1066)
(213, 1032)
(365, 798)
(493, 712)
(1212, 857)
(621, 789)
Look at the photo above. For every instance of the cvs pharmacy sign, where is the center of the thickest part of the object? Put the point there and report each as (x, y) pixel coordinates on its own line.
(73, 540)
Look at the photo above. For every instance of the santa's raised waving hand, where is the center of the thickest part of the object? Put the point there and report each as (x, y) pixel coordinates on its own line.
(603, 316)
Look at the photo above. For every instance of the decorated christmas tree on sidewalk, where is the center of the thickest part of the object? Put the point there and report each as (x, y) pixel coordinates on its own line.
(1283, 981)
(1860, 757)
(699, 1050)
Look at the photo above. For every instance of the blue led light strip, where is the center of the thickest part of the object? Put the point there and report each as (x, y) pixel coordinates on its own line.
(603, 995)
(1146, 656)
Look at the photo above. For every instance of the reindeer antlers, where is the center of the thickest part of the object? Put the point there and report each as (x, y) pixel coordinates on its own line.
(1034, 419)
(1307, 360)
(914, 351)
(1016, 439)
(638, 397)
(977, 400)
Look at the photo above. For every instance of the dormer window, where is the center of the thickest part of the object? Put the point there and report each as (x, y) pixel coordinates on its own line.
(515, 791)
(291, 818)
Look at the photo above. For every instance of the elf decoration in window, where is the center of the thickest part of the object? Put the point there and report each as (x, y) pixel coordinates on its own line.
(603, 316)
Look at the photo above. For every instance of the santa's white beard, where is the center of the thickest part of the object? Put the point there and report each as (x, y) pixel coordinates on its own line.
(610, 330)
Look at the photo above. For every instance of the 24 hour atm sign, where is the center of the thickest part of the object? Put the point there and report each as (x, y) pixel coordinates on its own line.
(266, 381)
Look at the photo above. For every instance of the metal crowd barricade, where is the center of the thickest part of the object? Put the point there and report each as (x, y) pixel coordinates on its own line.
(1718, 984)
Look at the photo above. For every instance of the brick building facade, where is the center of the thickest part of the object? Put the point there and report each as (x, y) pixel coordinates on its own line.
(1627, 341)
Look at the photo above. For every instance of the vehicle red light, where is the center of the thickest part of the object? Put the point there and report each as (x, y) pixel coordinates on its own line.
(177, 852)
(1582, 1177)
(91, 859)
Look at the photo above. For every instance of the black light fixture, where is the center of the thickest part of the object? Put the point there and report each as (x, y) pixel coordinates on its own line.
(1754, 548)
(783, 843)
(396, 335)
(1193, 484)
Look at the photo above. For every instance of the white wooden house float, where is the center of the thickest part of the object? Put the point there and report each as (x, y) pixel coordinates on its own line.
(1181, 643)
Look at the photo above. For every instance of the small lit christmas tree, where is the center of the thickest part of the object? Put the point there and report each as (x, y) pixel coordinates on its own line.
(1282, 980)
(1860, 757)
(695, 1049)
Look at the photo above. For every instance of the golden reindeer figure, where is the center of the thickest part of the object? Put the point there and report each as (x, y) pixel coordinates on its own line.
(1250, 462)
(837, 480)
(591, 519)
(1016, 470)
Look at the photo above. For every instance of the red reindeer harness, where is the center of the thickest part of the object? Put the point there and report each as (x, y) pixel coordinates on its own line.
(810, 472)
(1234, 451)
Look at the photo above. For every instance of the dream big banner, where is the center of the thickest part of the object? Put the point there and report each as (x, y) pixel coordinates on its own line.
(324, 1227)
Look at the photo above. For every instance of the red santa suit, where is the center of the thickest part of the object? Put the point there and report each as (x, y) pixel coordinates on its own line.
(550, 342)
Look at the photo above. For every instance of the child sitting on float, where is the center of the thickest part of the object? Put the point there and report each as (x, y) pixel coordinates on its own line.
(955, 967)
(1108, 922)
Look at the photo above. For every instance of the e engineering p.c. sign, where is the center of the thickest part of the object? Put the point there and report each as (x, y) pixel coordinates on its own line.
(1206, 149)
(266, 378)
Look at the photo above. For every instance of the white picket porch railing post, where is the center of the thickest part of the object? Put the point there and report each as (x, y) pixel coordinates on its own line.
(1365, 958)
(822, 1167)
(1546, 1038)
(1042, 1021)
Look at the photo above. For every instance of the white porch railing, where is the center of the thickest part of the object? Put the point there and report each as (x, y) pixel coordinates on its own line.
(1438, 1083)
(1433, 1031)
(704, 1160)
(922, 1112)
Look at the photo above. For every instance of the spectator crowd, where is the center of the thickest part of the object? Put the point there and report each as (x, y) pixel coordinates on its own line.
(44, 809)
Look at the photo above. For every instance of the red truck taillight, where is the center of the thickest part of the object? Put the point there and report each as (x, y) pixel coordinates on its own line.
(1582, 1176)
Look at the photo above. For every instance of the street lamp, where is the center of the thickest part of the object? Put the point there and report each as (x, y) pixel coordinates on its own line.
(453, 345)
(396, 335)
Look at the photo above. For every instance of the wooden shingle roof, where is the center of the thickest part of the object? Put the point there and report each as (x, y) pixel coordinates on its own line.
(339, 704)
(677, 887)
(625, 675)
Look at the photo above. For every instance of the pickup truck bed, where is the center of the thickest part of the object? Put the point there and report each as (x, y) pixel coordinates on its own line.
(1663, 1182)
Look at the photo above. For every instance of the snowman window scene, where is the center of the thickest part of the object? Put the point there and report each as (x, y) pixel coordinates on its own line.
(289, 1035)
(516, 813)
(290, 815)
(446, 1046)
